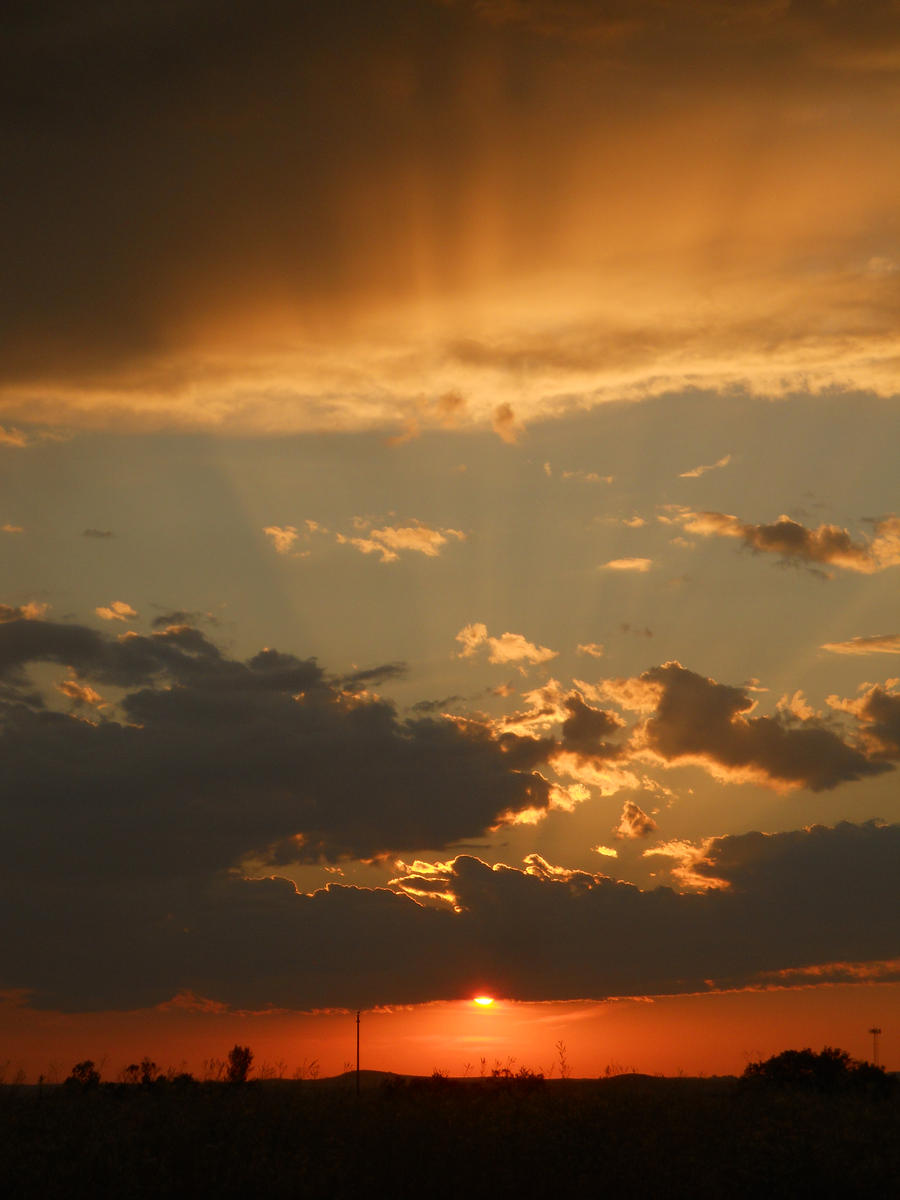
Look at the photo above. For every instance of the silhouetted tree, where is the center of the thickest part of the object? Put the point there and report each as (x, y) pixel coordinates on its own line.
(84, 1075)
(239, 1060)
(829, 1070)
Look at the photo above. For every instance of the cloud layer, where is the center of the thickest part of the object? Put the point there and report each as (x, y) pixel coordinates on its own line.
(230, 268)
(141, 805)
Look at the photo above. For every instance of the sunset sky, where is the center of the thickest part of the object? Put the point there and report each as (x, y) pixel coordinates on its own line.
(450, 531)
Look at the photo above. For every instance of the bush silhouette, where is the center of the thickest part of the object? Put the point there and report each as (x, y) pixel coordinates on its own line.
(84, 1075)
(239, 1060)
(829, 1070)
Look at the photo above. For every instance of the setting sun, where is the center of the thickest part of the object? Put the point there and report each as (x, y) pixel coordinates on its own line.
(484, 1001)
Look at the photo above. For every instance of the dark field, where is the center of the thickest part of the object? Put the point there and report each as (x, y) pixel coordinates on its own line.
(631, 1136)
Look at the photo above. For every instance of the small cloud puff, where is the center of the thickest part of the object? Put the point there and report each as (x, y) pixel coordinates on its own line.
(11, 528)
(628, 564)
(592, 649)
(97, 533)
(508, 648)
(117, 611)
(80, 693)
(634, 822)
(282, 537)
(696, 472)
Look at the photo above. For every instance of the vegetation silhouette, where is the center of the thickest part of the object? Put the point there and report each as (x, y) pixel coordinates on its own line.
(84, 1075)
(798, 1124)
(829, 1070)
(239, 1060)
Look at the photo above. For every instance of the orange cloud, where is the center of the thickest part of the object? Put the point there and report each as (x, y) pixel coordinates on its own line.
(634, 822)
(11, 529)
(698, 471)
(81, 693)
(593, 649)
(508, 648)
(629, 564)
(24, 612)
(282, 537)
(117, 611)
(879, 644)
(390, 540)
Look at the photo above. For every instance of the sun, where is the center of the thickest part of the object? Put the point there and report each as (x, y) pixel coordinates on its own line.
(484, 1001)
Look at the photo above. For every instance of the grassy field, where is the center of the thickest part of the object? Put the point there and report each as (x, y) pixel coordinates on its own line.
(631, 1136)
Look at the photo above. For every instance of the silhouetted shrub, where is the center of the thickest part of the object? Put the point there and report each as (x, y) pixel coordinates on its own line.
(239, 1060)
(84, 1075)
(828, 1071)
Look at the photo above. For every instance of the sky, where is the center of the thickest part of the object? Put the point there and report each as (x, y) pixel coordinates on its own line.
(450, 532)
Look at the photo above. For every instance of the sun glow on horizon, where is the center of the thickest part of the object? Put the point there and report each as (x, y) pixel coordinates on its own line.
(484, 1001)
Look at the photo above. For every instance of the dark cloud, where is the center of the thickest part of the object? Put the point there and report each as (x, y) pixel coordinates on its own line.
(879, 710)
(97, 533)
(815, 32)
(217, 759)
(793, 901)
(828, 545)
(432, 706)
(585, 727)
(181, 616)
(698, 720)
(359, 680)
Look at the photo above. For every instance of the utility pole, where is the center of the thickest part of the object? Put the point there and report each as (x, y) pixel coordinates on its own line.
(357, 1053)
(875, 1032)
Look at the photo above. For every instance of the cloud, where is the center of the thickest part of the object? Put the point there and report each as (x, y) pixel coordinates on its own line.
(878, 711)
(262, 757)
(508, 648)
(828, 544)
(646, 632)
(97, 533)
(588, 477)
(629, 564)
(698, 471)
(282, 537)
(593, 649)
(117, 611)
(634, 822)
(24, 612)
(480, 281)
(11, 529)
(585, 727)
(504, 424)
(696, 720)
(536, 931)
(390, 540)
(888, 643)
(80, 693)
(126, 835)
(181, 616)
(12, 437)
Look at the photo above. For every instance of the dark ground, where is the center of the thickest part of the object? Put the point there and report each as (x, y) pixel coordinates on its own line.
(631, 1136)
